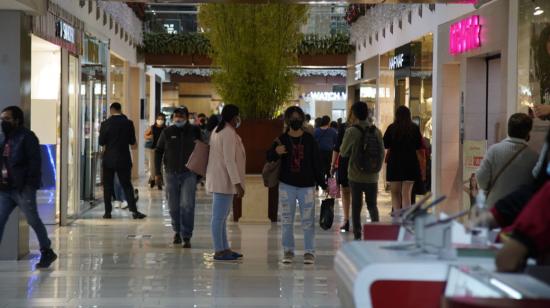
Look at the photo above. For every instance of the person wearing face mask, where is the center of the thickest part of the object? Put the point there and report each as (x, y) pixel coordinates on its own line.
(225, 178)
(174, 147)
(301, 169)
(152, 135)
(116, 135)
(20, 167)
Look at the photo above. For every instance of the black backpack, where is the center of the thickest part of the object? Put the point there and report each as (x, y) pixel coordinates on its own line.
(368, 158)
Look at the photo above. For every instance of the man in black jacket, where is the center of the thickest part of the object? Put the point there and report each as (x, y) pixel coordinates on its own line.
(20, 178)
(116, 135)
(175, 145)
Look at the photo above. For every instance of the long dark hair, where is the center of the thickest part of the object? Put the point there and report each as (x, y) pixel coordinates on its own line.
(212, 123)
(229, 112)
(288, 114)
(403, 122)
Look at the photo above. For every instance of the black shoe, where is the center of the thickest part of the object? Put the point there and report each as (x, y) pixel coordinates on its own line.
(160, 187)
(107, 216)
(186, 243)
(177, 239)
(345, 227)
(138, 215)
(152, 184)
(136, 195)
(357, 236)
(47, 258)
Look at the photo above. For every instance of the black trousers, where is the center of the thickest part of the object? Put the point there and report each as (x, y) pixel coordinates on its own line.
(124, 175)
(326, 161)
(370, 191)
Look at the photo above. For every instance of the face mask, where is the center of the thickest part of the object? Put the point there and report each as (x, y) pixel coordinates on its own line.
(7, 127)
(296, 124)
(180, 123)
(192, 121)
(238, 123)
(160, 122)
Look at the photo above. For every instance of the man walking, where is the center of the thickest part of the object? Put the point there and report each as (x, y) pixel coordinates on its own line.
(20, 167)
(326, 137)
(364, 146)
(116, 135)
(175, 145)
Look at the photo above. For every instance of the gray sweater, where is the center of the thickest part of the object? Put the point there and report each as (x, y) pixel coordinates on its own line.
(518, 173)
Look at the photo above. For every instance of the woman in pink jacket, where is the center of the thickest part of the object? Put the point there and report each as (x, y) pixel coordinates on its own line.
(225, 178)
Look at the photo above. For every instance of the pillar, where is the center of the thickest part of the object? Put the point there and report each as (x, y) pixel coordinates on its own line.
(15, 86)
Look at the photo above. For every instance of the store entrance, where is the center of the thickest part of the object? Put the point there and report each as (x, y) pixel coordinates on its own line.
(44, 122)
(93, 100)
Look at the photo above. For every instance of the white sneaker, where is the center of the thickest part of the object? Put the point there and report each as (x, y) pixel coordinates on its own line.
(124, 205)
(116, 204)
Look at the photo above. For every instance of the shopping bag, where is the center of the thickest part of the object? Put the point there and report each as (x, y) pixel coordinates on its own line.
(333, 188)
(198, 161)
(327, 213)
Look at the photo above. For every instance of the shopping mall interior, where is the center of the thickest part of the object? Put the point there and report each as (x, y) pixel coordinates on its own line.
(155, 153)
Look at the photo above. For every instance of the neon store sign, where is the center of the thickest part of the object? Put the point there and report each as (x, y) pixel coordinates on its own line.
(465, 35)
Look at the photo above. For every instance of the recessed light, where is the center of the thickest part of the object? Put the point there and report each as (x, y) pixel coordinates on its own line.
(538, 12)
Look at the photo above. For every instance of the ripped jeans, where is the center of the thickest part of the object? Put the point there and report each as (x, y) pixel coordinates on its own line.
(305, 196)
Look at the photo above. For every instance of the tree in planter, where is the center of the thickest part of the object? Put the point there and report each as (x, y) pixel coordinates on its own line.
(254, 46)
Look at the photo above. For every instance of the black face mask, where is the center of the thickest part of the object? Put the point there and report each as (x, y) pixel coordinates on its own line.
(296, 124)
(7, 127)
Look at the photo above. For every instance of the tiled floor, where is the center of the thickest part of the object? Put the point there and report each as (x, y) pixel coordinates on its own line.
(100, 266)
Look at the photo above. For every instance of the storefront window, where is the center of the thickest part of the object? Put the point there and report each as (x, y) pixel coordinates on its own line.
(93, 100)
(118, 80)
(406, 80)
(534, 61)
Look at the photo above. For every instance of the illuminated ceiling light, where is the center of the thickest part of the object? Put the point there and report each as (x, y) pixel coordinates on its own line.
(538, 11)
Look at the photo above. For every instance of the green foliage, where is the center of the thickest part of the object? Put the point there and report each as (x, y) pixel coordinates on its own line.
(198, 44)
(337, 44)
(254, 46)
(179, 44)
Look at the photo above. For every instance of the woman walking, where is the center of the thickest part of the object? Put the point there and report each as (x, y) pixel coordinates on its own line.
(152, 135)
(403, 142)
(225, 178)
(300, 171)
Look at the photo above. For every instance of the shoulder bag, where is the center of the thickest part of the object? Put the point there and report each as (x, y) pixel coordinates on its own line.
(271, 171)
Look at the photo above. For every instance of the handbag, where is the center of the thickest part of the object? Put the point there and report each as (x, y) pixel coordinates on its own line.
(499, 173)
(271, 171)
(326, 217)
(333, 188)
(198, 161)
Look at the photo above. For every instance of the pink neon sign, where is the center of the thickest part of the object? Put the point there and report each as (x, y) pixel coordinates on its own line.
(465, 35)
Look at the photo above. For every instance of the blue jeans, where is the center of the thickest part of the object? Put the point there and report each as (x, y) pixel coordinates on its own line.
(119, 191)
(26, 201)
(221, 206)
(288, 196)
(182, 188)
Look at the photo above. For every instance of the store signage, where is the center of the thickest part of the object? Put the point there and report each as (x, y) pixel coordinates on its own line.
(397, 61)
(465, 35)
(359, 71)
(65, 31)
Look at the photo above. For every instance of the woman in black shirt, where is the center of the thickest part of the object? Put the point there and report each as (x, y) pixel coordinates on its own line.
(402, 140)
(300, 171)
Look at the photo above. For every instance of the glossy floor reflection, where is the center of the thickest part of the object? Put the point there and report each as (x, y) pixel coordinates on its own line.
(127, 263)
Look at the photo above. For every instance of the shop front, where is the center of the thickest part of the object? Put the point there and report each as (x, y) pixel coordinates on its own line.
(93, 110)
(474, 69)
(55, 47)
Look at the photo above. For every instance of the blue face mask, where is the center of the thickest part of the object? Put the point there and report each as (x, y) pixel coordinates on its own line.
(180, 124)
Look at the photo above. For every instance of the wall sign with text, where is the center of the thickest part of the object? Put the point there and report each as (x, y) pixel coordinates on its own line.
(359, 71)
(65, 31)
(397, 61)
(465, 35)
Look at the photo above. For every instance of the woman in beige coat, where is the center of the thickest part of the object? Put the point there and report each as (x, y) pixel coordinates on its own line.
(225, 178)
